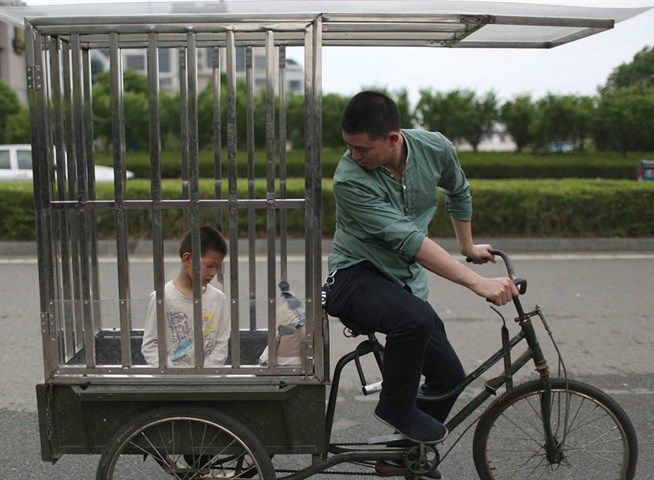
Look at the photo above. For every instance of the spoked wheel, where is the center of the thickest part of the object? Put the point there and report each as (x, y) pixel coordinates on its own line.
(595, 437)
(187, 443)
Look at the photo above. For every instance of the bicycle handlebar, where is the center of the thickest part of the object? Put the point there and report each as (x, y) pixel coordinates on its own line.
(521, 283)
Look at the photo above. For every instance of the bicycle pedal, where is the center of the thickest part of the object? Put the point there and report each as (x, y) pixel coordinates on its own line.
(385, 439)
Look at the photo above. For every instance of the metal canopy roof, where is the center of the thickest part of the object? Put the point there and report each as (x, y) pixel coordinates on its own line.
(345, 22)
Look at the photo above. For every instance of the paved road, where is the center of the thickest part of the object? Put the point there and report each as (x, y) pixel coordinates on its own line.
(600, 308)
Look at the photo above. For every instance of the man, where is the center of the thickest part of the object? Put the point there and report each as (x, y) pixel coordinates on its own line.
(385, 188)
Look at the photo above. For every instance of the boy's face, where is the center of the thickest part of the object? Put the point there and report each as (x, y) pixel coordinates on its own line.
(210, 263)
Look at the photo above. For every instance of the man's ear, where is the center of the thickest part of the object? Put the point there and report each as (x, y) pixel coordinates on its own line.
(394, 137)
(187, 258)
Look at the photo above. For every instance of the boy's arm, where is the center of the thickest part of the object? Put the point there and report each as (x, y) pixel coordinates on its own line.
(149, 348)
(218, 356)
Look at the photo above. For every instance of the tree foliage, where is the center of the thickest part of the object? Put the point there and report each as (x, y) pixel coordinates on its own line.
(519, 117)
(640, 71)
(9, 105)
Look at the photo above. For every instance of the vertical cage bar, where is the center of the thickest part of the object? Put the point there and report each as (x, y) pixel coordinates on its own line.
(155, 190)
(270, 196)
(308, 155)
(118, 144)
(218, 143)
(82, 196)
(233, 197)
(194, 187)
(58, 123)
(283, 215)
(314, 327)
(89, 151)
(34, 64)
(74, 217)
(249, 88)
(183, 111)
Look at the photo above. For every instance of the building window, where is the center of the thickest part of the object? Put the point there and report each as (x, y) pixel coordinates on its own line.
(164, 60)
(24, 159)
(166, 83)
(135, 62)
(209, 58)
(240, 59)
(260, 62)
(4, 160)
(294, 85)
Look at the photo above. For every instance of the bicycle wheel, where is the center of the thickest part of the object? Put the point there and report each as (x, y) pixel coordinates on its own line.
(185, 443)
(597, 438)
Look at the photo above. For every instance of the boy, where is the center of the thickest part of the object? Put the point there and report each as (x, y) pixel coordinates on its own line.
(178, 305)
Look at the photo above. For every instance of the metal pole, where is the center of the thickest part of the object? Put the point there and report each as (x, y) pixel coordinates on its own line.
(194, 186)
(88, 136)
(58, 123)
(270, 196)
(83, 227)
(249, 88)
(183, 110)
(309, 148)
(283, 214)
(74, 217)
(233, 198)
(314, 320)
(118, 145)
(217, 140)
(34, 63)
(155, 190)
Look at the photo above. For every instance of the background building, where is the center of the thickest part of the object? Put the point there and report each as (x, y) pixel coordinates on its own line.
(12, 60)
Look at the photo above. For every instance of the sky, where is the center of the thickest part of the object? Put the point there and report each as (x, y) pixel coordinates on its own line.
(577, 68)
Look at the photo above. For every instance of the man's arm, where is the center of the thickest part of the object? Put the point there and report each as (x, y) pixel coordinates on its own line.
(435, 259)
(477, 253)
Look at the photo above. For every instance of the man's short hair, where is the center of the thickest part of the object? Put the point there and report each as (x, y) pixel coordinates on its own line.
(210, 239)
(370, 112)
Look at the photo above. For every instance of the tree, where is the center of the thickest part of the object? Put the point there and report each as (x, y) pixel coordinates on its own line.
(9, 105)
(555, 122)
(518, 116)
(448, 113)
(640, 71)
(625, 119)
(135, 105)
(18, 127)
(481, 119)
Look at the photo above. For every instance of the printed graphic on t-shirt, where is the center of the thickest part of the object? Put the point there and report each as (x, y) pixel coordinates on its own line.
(182, 334)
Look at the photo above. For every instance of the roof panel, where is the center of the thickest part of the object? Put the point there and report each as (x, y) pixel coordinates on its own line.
(485, 24)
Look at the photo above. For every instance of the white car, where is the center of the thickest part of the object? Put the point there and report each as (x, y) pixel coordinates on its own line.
(16, 164)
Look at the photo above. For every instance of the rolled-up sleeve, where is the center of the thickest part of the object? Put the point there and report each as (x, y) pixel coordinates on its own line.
(455, 186)
(365, 214)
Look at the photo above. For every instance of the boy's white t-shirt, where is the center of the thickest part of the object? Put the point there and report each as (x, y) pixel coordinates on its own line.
(178, 316)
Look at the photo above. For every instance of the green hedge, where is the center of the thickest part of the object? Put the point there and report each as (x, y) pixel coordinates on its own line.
(488, 165)
(526, 208)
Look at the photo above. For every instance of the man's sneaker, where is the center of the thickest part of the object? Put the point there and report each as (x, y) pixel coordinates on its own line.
(416, 425)
(389, 468)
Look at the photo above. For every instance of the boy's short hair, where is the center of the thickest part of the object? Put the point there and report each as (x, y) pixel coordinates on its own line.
(210, 239)
(370, 112)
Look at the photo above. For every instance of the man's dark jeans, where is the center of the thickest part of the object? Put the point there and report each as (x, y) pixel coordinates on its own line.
(416, 342)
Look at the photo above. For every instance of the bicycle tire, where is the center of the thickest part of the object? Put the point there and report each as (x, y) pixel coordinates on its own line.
(496, 427)
(158, 428)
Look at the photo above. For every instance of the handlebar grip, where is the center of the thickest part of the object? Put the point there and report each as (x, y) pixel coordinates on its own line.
(521, 283)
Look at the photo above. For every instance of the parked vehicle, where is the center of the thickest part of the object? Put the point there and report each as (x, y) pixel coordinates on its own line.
(16, 164)
(645, 170)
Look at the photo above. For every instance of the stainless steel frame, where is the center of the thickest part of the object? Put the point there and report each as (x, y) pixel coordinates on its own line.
(59, 66)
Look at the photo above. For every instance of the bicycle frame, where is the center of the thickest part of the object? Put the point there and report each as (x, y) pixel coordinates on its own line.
(372, 345)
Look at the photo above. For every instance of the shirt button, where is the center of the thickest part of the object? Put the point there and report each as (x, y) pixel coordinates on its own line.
(403, 187)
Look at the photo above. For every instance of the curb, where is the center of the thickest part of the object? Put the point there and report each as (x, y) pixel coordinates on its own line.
(297, 246)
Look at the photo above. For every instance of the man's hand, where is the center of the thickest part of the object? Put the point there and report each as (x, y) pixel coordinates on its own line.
(479, 254)
(499, 291)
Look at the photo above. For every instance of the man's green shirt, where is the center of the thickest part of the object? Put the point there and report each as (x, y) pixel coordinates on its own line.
(384, 221)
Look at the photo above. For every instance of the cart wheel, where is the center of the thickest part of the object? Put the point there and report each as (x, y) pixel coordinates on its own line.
(185, 443)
